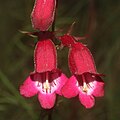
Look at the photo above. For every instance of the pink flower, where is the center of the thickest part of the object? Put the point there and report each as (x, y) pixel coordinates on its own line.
(42, 15)
(46, 80)
(85, 82)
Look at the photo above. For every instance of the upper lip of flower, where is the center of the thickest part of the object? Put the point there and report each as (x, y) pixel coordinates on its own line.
(86, 82)
(47, 81)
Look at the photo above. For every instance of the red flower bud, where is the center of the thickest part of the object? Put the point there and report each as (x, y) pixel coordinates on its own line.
(42, 15)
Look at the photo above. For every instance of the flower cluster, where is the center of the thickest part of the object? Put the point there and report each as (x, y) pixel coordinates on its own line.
(47, 80)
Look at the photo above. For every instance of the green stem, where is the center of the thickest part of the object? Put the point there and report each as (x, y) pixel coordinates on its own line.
(50, 116)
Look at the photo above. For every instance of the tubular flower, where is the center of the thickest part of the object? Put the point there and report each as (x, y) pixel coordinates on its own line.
(42, 15)
(85, 81)
(46, 80)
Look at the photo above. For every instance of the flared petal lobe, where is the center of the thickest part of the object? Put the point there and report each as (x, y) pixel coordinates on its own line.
(28, 89)
(81, 60)
(42, 15)
(45, 56)
(96, 84)
(47, 101)
(61, 82)
(87, 100)
(99, 89)
(70, 89)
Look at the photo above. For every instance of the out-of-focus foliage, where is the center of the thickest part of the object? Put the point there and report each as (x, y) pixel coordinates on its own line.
(98, 18)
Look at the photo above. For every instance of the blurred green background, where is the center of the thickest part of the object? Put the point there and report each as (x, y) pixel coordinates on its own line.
(100, 19)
